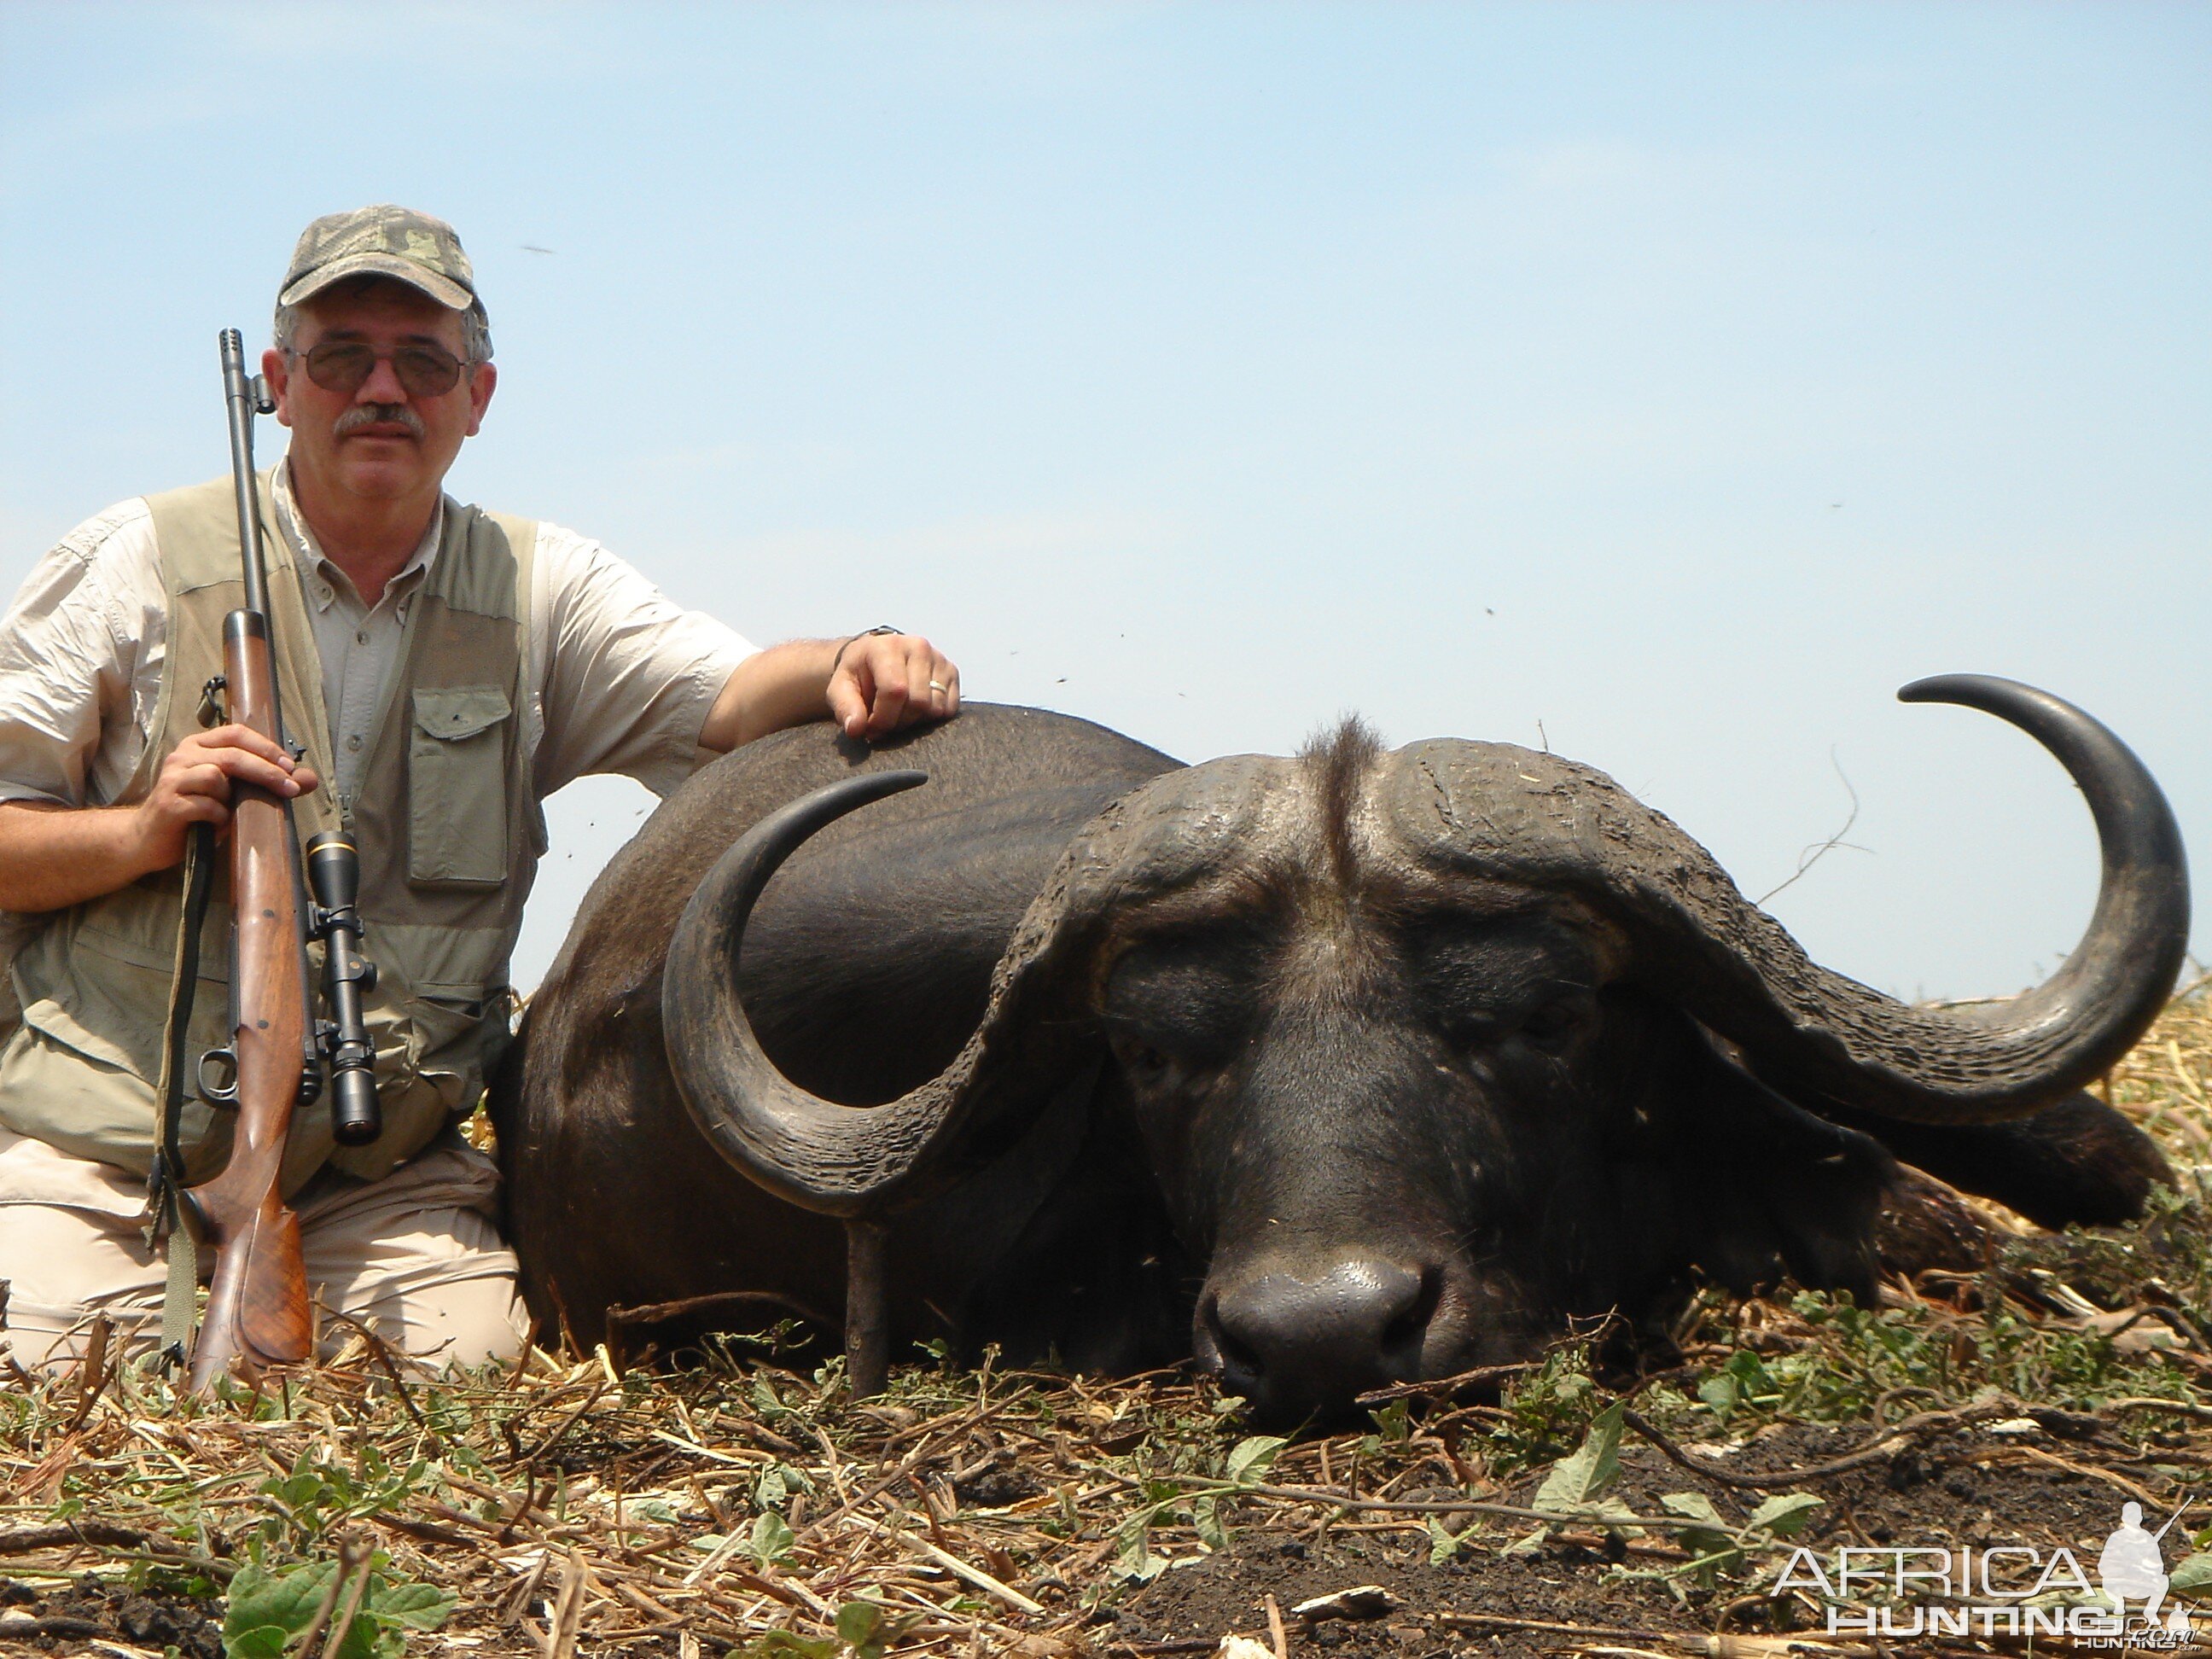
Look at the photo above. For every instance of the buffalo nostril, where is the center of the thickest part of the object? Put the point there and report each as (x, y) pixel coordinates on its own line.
(1313, 1342)
(1236, 1357)
(1409, 1327)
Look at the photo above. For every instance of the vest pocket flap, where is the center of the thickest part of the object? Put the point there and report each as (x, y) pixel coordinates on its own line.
(453, 712)
(60, 1023)
(457, 809)
(463, 1002)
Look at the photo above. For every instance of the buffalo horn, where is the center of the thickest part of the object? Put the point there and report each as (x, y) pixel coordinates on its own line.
(810, 1152)
(835, 1160)
(1814, 1035)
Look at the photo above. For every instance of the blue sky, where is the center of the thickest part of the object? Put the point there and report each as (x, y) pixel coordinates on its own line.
(1663, 384)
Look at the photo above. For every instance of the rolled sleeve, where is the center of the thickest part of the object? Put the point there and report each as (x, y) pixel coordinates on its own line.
(80, 664)
(630, 675)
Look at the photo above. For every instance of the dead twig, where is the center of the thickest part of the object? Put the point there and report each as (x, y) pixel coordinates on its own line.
(348, 1559)
(351, 1609)
(1480, 1375)
(22, 1540)
(567, 1424)
(382, 1352)
(1873, 1451)
(567, 1613)
(92, 1372)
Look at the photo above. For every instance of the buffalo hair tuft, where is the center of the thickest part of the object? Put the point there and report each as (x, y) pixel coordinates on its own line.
(1338, 762)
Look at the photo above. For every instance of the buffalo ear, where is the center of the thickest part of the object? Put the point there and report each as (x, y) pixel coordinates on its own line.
(2078, 1162)
(1926, 1225)
(1781, 1192)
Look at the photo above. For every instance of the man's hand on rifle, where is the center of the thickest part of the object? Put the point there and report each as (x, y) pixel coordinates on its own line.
(194, 787)
(51, 856)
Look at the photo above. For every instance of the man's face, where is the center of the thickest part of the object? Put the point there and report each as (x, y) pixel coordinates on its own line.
(379, 442)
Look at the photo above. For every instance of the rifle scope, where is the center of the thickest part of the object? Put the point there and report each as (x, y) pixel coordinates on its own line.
(334, 872)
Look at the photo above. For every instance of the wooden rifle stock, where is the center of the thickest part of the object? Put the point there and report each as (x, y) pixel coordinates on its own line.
(256, 1313)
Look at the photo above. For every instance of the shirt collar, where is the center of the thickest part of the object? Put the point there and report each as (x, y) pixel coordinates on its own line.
(294, 525)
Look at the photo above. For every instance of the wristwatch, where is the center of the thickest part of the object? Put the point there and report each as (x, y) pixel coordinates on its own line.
(880, 627)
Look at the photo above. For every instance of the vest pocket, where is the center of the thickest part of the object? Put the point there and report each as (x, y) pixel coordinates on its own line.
(457, 787)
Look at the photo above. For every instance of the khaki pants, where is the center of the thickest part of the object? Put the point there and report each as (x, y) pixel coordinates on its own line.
(415, 1256)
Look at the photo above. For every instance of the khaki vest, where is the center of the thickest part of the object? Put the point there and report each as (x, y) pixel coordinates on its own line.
(448, 829)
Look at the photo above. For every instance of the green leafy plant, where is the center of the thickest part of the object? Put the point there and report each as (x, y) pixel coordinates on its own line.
(1251, 1459)
(1547, 1410)
(1133, 1558)
(782, 1645)
(1444, 1543)
(1718, 1546)
(1580, 1485)
(772, 1538)
(778, 1483)
(864, 1632)
(269, 1613)
(2191, 1574)
(867, 1632)
(1744, 1380)
(319, 1495)
(1393, 1423)
(1245, 1468)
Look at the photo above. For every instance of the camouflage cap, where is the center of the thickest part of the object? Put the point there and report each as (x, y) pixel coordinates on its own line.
(381, 242)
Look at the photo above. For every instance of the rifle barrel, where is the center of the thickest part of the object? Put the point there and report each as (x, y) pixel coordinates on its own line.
(240, 399)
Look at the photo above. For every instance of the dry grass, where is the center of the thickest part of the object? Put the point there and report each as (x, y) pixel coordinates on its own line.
(2165, 1083)
(566, 1506)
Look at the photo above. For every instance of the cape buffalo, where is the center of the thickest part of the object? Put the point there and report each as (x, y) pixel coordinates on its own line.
(1336, 1070)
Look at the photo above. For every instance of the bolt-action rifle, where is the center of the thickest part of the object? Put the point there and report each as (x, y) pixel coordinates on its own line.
(257, 1312)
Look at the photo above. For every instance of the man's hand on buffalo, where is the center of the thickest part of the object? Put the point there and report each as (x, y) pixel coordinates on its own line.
(884, 681)
(51, 856)
(870, 683)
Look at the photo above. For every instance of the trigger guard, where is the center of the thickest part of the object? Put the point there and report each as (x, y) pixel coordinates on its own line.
(218, 1094)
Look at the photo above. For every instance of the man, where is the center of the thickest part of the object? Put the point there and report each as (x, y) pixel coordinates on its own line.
(2131, 1565)
(446, 669)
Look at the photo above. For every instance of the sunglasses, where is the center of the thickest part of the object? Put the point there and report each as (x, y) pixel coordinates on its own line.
(345, 366)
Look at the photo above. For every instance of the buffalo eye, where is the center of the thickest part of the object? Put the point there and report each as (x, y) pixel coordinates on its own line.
(1144, 1065)
(1551, 1025)
(1157, 1059)
(1176, 1008)
(1500, 984)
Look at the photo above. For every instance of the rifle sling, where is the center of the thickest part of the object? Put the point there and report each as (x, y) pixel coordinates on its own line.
(171, 1222)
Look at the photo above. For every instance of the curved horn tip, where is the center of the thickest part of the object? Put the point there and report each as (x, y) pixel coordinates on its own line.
(746, 864)
(1968, 691)
(1838, 1041)
(864, 787)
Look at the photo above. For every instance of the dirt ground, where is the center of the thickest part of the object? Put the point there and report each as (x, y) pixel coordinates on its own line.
(1571, 1593)
(71, 1619)
(1959, 1490)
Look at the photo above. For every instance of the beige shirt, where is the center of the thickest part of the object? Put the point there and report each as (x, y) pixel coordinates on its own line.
(358, 644)
(622, 678)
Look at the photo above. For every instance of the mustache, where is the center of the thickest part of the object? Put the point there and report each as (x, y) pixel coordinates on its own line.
(362, 414)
